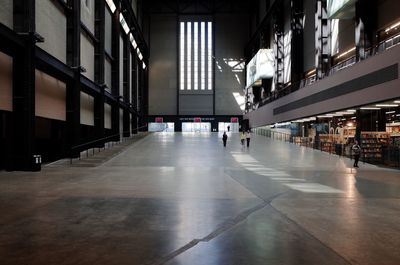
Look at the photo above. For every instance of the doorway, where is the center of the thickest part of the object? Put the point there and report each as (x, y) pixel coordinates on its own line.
(196, 127)
(223, 127)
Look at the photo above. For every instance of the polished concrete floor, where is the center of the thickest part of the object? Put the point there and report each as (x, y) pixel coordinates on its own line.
(184, 199)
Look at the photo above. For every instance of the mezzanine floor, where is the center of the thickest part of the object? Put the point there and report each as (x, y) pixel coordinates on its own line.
(175, 198)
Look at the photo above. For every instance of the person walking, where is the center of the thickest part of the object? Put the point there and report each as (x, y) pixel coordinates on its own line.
(229, 128)
(356, 148)
(242, 137)
(248, 138)
(224, 138)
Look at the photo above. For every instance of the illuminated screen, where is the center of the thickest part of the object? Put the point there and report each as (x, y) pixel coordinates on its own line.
(338, 8)
(260, 67)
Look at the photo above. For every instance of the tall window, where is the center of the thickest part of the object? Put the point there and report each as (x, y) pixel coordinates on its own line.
(196, 56)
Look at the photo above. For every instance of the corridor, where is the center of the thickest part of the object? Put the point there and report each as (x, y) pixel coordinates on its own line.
(184, 199)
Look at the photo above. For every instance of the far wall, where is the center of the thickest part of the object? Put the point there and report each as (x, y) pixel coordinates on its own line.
(231, 33)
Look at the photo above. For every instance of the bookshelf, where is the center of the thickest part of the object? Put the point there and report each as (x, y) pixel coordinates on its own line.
(372, 143)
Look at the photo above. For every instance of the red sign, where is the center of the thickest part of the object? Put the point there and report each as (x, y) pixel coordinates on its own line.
(197, 119)
(234, 120)
(159, 119)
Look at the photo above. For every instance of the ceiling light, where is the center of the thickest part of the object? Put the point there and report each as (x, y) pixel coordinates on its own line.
(392, 27)
(397, 101)
(386, 105)
(390, 112)
(111, 5)
(369, 108)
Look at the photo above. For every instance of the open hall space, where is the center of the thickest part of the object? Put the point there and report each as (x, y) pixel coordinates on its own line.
(182, 198)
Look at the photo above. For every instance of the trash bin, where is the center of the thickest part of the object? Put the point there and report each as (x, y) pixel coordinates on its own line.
(36, 163)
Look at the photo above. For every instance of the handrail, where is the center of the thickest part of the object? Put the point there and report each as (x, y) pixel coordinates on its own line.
(102, 139)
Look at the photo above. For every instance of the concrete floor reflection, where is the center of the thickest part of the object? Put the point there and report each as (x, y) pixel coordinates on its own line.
(176, 198)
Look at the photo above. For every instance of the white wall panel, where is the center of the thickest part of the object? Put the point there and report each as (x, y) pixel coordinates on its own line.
(51, 23)
(6, 82)
(108, 32)
(6, 13)
(107, 116)
(50, 97)
(87, 109)
(87, 56)
(88, 14)
(107, 73)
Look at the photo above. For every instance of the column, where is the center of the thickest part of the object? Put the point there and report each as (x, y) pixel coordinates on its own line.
(322, 42)
(99, 70)
(297, 43)
(366, 21)
(21, 148)
(73, 86)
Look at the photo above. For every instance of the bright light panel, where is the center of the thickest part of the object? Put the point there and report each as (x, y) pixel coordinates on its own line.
(111, 5)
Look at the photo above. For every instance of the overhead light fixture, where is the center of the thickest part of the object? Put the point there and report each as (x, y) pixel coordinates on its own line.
(351, 110)
(370, 108)
(111, 5)
(144, 65)
(132, 40)
(397, 101)
(390, 112)
(387, 105)
(392, 27)
(123, 23)
(346, 52)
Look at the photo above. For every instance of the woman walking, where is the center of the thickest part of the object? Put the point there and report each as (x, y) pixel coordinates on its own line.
(242, 137)
(357, 152)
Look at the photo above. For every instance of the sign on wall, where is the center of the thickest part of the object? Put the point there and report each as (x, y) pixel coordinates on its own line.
(234, 120)
(159, 119)
(260, 67)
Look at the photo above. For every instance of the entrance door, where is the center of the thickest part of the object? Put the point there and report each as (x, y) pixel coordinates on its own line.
(196, 127)
(223, 127)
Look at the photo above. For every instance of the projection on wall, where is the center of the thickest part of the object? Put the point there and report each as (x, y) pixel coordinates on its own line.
(341, 9)
(260, 67)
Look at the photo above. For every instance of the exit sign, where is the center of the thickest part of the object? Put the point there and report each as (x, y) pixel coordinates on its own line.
(197, 119)
(234, 120)
(159, 119)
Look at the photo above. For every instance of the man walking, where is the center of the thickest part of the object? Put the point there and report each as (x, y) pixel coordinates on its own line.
(224, 138)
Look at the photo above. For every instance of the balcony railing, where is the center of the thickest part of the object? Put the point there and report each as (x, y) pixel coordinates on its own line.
(287, 89)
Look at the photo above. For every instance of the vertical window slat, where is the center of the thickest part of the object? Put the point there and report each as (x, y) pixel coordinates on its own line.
(182, 56)
(209, 45)
(189, 56)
